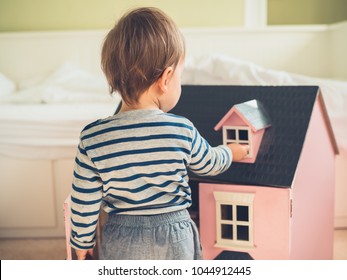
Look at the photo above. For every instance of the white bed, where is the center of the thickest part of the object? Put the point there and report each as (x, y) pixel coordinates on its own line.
(39, 131)
(51, 112)
(45, 100)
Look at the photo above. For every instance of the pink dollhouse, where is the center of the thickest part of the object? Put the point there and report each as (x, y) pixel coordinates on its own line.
(279, 202)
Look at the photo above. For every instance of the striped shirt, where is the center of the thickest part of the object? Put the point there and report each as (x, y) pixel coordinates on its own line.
(135, 163)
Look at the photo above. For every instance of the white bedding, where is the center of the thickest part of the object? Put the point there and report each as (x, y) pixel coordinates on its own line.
(44, 117)
(67, 84)
(48, 130)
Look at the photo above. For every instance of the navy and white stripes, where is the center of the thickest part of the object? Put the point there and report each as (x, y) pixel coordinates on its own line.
(136, 163)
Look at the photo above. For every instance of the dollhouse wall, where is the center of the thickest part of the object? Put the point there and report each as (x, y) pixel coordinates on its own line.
(271, 221)
(313, 194)
(235, 120)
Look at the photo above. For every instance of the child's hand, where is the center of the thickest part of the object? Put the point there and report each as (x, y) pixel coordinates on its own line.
(85, 254)
(239, 151)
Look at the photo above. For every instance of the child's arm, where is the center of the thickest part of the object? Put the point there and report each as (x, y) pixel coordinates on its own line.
(86, 197)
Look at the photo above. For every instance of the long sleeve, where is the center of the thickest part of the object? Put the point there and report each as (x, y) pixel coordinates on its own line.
(86, 198)
(207, 160)
(135, 163)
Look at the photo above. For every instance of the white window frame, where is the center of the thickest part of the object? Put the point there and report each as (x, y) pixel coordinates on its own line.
(227, 141)
(255, 13)
(234, 199)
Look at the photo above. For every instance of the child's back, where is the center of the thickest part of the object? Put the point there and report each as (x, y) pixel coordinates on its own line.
(142, 156)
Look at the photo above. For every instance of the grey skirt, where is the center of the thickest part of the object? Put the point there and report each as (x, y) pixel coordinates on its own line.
(168, 236)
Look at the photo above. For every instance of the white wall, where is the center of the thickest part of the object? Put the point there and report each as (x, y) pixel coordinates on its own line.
(309, 50)
(303, 50)
(338, 37)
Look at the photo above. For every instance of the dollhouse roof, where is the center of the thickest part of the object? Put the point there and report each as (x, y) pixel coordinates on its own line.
(252, 112)
(233, 255)
(290, 109)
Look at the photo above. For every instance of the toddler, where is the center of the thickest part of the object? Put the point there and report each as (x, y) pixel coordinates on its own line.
(134, 164)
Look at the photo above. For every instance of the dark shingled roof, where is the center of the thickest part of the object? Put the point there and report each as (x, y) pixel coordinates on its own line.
(290, 109)
(233, 255)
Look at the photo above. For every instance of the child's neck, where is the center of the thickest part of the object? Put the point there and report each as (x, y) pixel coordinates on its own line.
(147, 101)
(126, 107)
(139, 106)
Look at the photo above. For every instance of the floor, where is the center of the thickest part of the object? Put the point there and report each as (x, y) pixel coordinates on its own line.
(54, 249)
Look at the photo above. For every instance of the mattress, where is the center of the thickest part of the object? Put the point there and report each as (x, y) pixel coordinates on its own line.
(41, 118)
(49, 131)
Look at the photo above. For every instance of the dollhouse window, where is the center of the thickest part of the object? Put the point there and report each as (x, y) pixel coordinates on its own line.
(238, 135)
(234, 219)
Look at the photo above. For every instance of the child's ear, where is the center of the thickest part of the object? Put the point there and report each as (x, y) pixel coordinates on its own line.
(165, 78)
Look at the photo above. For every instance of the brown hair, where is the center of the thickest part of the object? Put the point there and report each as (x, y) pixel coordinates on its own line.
(138, 49)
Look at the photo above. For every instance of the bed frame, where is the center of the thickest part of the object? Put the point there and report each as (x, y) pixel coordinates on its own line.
(308, 50)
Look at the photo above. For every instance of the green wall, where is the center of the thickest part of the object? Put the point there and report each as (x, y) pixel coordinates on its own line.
(38, 15)
(24, 15)
(306, 11)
